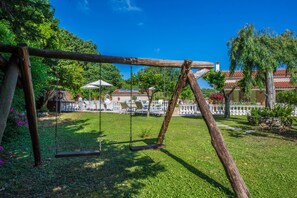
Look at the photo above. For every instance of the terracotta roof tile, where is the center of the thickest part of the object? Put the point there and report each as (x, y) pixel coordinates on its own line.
(278, 85)
(239, 73)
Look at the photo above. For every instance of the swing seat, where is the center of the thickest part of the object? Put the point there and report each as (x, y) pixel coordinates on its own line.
(77, 154)
(147, 147)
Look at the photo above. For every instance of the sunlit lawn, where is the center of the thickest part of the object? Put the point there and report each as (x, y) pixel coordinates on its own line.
(188, 167)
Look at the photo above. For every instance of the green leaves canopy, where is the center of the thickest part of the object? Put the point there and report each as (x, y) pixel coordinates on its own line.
(263, 51)
(215, 79)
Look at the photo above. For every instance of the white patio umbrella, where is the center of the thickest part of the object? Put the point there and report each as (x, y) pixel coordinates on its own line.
(89, 86)
(95, 85)
(100, 83)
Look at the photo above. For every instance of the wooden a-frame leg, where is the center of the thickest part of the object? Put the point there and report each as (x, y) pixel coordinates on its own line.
(217, 141)
(7, 90)
(172, 103)
(30, 102)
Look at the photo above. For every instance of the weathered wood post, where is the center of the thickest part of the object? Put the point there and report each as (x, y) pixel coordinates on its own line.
(30, 101)
(172, 103)
(217, 141)
(7, 91)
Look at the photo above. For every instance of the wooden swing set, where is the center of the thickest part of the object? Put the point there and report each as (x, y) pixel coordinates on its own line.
(17, 72)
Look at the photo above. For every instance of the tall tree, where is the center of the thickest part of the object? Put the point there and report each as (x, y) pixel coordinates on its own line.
(263, 51)
(73, 74)
(150, 82)
(218, 80)
(32, 21)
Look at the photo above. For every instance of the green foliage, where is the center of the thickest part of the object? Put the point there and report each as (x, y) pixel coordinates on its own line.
(187, 93)
(215, 79)
(6, 35)
(32, 21)
(73, 74)
(155, 77)
(287, 97)
(40, 75)
(16, 124)
(207, 92)
(279, 111)
(261, 51)
(146, 132)
(150, 77)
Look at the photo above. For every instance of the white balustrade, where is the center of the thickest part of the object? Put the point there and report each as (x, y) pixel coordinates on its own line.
(184, 109)
(190, 109)
(219, 109)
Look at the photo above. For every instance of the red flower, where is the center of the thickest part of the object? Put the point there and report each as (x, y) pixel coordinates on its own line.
(217, 97)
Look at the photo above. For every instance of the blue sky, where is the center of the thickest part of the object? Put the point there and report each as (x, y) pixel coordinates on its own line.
(170, 29)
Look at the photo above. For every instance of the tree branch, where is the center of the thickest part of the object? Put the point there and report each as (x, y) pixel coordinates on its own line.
(231, 91)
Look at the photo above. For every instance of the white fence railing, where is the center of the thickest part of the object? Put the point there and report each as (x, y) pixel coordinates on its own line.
(183, 110)
(190, 109)
(219, 109)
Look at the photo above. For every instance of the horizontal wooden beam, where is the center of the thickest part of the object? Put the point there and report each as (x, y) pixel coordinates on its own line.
(105, 59)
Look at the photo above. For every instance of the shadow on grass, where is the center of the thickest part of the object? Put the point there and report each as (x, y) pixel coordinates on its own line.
(115, 173)
(199, 173)
(127, 142)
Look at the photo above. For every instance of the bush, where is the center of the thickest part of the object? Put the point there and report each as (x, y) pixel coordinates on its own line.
(145, 133)
(1, 157)
(287, 97)
(16, 123)
(216, 98)
(283, 112)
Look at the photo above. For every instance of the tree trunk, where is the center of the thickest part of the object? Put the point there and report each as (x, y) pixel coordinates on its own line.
(270, 90)
(227, 106)
(227, 102)
(217, 141)
(47, 96)
(6, 93)
(149, 104)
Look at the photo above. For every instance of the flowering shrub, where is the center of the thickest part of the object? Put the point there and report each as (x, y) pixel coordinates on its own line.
(19, 118)
(1, 160)
(216, 98)
(15, 123)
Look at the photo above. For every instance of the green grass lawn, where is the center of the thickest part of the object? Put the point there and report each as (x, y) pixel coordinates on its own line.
(188, 167)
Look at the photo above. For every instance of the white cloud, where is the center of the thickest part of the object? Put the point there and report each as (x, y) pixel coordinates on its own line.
(125, 5)
(83, 5)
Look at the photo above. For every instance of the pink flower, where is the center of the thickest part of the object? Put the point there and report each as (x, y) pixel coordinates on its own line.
(1, 162)
(12, 109)
(1, 148)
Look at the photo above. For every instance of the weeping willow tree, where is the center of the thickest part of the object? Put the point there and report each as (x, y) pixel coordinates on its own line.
(259, 54)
